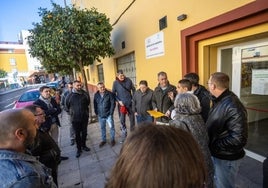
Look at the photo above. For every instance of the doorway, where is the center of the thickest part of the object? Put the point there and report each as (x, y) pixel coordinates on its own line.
(247, 66)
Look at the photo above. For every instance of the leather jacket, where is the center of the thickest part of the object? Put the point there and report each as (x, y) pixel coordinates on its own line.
(227, 127)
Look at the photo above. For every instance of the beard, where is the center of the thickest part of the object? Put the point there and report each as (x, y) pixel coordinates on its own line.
(31, 141)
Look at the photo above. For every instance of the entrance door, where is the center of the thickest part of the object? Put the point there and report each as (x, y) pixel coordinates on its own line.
(249, 81)
(127, 64)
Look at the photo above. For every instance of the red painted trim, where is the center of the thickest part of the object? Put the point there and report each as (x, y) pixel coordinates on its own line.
(246, 16)
(256, 109)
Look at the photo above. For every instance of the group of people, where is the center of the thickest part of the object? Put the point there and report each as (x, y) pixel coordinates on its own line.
(32, 133)
(215, 118)
(202, 146)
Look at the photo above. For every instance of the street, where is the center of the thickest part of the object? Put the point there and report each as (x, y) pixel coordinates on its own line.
(7, 99)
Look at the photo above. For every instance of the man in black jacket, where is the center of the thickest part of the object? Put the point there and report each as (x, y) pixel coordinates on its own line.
(45, 147)
(77, 104)
(227, 129)
(52, 110)
(201, 92)
(49, 105)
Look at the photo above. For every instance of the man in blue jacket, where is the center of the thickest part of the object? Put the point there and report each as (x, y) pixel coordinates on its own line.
(227, 130)
(18, 169)
(104, 104)
(123, 88)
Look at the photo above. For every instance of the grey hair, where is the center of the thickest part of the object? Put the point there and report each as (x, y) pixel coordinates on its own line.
(187, 103)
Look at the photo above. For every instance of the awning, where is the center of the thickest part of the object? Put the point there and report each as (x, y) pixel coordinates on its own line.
(38, 73)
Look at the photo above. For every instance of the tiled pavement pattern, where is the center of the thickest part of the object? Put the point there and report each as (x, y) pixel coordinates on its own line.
(91, 168)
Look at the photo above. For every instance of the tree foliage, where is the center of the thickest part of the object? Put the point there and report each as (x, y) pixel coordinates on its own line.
(69, 38)
(3, 73)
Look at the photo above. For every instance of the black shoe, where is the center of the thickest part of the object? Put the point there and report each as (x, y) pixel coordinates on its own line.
(63, 158)
(102, 144)
(78, 153)
(112, 143)
(85, 148)
(72, 142)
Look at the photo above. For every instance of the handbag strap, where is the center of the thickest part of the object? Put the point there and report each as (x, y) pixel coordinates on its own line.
(124, 87)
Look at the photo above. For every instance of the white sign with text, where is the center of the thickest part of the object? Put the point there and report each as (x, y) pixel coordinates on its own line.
(154, 45)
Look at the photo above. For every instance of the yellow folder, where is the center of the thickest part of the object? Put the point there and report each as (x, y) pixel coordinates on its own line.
(155, 114)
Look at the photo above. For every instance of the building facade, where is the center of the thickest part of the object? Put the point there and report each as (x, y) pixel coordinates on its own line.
(13, 61)
(17, 62)
(188, 36)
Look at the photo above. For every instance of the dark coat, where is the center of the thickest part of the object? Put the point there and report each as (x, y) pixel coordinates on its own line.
(227, 127)
(51, 113)
(48, 151)
(123, 91)
(194, 124)
(204, 98)
(142, 102)
(162, 102)
(104, 105)
(77, 104)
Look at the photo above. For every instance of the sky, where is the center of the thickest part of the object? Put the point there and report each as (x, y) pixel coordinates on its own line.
(17, 15)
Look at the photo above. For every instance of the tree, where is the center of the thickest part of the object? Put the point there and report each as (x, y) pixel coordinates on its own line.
(68, 38)
(3, 73)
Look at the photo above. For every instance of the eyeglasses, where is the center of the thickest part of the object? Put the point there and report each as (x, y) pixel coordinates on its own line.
(42, 114)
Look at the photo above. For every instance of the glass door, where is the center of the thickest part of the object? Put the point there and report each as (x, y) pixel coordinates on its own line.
(251, 62)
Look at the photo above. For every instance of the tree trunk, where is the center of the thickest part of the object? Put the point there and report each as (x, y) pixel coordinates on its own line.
(84, 78)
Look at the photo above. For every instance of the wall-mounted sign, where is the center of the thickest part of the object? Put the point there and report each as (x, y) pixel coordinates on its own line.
(259, 81)
(154, 45)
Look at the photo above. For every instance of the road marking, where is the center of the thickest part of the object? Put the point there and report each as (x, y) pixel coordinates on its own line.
(255, 156)
(9, 104)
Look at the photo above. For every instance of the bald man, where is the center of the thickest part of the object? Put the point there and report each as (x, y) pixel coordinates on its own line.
(18, 169)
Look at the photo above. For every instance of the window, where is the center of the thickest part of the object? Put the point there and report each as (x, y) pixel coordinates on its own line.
(100, 73)
(12, 61)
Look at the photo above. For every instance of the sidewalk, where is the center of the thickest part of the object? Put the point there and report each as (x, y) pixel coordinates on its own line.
(92, 168)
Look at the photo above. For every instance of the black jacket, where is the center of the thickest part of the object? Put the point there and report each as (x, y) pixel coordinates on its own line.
(46, 149)
(51, 113)
(204, 98)
(104, 106)
(227, 127)
(77, 104)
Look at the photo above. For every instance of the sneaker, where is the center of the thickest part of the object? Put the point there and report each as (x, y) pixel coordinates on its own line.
(85, 148)
(122, 141)
(102, 144)
(78, 153)
(112, 143)
(72, 142)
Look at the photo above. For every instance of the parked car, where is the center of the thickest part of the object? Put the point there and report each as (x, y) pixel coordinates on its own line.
(54, 84)
(27, 98)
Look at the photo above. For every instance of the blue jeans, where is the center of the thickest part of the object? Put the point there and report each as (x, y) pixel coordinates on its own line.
(110, 121)
(225, 172)
(144, 118)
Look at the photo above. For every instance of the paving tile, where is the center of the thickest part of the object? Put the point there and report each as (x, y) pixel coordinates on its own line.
(70, 179)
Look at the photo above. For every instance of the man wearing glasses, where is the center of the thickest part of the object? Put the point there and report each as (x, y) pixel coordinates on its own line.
(45, 147)
(227, 130)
